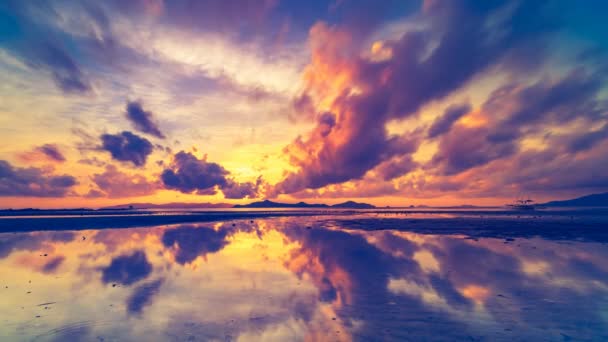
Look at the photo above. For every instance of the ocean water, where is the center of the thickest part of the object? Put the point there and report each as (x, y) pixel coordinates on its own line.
(330, 276)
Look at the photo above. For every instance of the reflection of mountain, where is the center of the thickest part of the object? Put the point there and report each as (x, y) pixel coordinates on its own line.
(595, 200)
(271, 204)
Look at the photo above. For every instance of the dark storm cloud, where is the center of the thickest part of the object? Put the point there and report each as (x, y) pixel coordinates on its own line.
(34, 182)
(127, 269)
(445, 122)
(142, 120)
(189, 174)
(127, 147)
(425, 65)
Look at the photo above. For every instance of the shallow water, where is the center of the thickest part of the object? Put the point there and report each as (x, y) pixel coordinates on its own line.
(339, 278)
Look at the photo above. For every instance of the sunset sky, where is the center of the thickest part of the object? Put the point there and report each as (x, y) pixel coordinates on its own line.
(387, 102)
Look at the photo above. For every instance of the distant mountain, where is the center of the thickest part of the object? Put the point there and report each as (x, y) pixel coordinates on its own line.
(271, 204)
(353, 205)
(595, 200)
(174, 205)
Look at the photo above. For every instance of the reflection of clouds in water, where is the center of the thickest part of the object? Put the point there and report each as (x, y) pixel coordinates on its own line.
(31, 241)
(127, 269)
(461, 279)
(361, 273)
(190, 242)
(142, 295)
(275, 279)
(46, 264)
(52, 265)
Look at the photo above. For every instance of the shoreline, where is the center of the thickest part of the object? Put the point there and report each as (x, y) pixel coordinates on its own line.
(584, 225)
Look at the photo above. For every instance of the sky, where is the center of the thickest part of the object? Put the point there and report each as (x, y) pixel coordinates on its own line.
(394, 103)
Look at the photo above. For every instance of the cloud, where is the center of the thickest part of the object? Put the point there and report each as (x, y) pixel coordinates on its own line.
(236, 17)
(427, 64)
(52, 152)
(445, 122)
(41, 47)
(587, 140)
(127, 269)
(127, 147)
(517, 110)
(116, 184)
(235, 190)
(142, 120)
(32, 181)
(464, 148)
(526, 137)
(94, 161)
(189, 174)
(396, 167)
(47, 152)
(513, 112)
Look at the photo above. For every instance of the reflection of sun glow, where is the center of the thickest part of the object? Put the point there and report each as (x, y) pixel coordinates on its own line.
(477, 293)
(535, 267)
(427, 261)
(303, 261)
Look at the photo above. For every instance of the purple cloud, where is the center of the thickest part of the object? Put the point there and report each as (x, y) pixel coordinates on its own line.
(424, 65)
(116, 184)
(189, 174)
(127, 147)
(33, 182)
(142, 120)
(445, 122)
